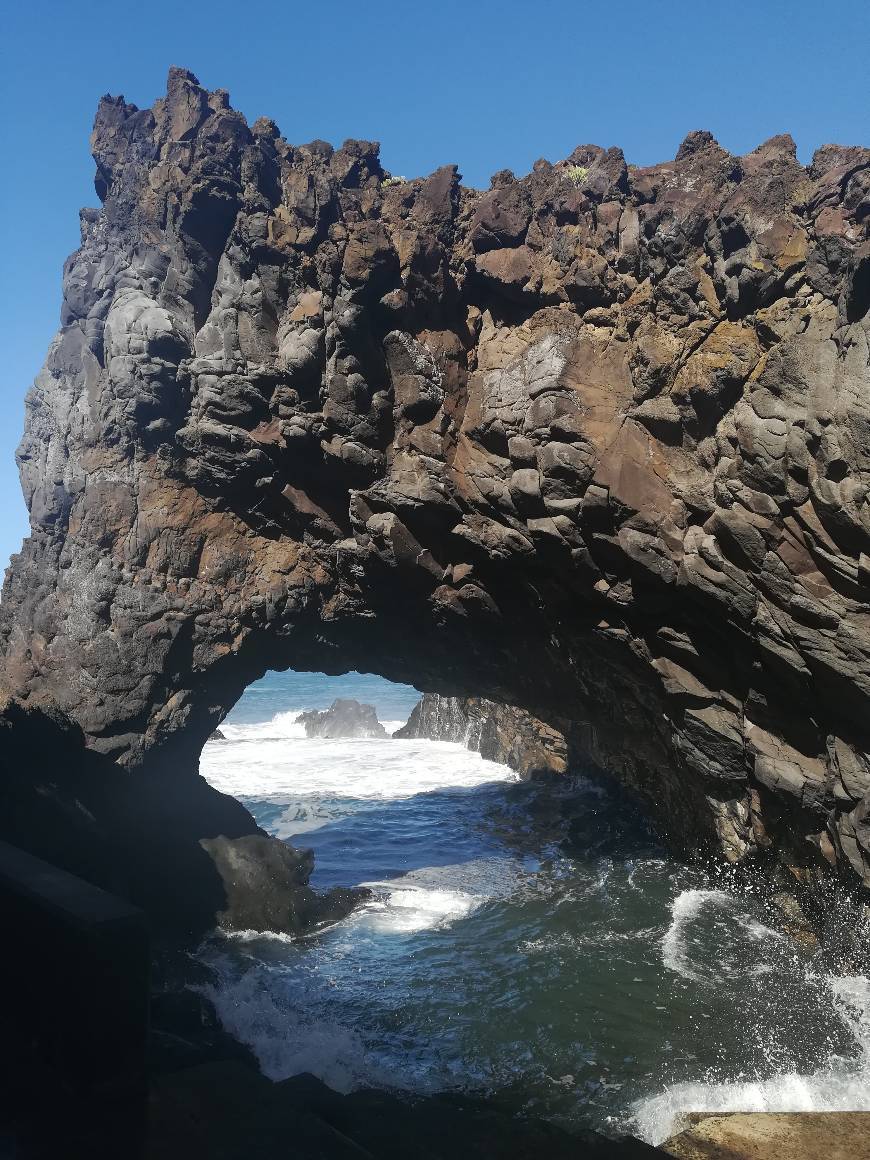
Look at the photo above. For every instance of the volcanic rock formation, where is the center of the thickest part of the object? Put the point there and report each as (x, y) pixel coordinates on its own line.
(500, 733)
(344, 718)
(594, 442)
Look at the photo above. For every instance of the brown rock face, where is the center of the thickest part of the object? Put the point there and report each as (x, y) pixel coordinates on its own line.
(595, 442)
(500, 733)
(773, 1136)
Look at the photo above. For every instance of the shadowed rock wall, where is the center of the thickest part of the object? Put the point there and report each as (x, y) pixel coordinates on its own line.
(594, 442)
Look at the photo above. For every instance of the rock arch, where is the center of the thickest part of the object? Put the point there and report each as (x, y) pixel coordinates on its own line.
(594, 442)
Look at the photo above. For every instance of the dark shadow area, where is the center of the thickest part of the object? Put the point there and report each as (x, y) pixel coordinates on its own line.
(74, 980)
(133, 834)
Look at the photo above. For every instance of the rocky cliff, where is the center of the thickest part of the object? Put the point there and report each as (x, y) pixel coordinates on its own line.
(500, 733)
(594, 442)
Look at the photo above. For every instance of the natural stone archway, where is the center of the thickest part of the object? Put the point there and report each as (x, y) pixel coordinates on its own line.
(594, 442)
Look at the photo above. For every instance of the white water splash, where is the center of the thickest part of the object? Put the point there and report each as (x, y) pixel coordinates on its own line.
(280, 727)
(255, 1009)
(841, 1084)
(407, 908)
(274, 760)
(686, 907)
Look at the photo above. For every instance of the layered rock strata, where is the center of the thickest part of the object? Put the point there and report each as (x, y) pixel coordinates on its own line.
(500, 733)
(594, 442)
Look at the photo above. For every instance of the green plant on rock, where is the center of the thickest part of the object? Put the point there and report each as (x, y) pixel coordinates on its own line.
(388, 181)
(577, 174)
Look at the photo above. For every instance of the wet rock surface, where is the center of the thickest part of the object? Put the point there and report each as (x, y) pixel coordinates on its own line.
(773, 1136)
(593, 442)
(266, 885)
(343, 718)
(500, 733)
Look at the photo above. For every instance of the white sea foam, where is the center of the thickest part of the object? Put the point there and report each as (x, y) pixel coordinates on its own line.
(686, 907)
(258, 1011)
(280, 727)
(431, 898)
(405, 908)
(275, 761)
(842, 1084)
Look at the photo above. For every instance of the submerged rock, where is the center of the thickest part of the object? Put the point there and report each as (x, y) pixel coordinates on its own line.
(343, 718)
(500, 733)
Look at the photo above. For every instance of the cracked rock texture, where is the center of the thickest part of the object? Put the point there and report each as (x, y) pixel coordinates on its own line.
(497, 732)
(594, 442)
(343, 718)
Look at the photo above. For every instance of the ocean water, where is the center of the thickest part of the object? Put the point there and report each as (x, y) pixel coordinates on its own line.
(530, 942)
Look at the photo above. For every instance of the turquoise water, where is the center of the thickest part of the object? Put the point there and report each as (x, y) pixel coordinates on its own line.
(534, 943)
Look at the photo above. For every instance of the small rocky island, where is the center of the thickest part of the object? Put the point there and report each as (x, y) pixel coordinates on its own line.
(345, 717)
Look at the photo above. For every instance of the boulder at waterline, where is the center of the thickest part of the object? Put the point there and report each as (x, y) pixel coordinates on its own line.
(345, 717)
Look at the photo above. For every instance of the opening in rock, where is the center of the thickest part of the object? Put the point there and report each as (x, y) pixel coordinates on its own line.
(525, 937)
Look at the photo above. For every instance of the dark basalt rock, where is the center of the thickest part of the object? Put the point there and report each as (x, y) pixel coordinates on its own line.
(500, 733)
(343, 718)
(593, 443)
(188, 855)
(266, 885)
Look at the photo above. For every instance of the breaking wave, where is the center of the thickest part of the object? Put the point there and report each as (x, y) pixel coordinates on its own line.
(516, 939)
(840, 1083)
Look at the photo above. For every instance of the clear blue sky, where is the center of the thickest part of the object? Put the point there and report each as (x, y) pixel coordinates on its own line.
(479, 83)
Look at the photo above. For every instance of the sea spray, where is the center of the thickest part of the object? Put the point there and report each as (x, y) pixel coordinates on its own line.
(519, 940)
(675, 951)
(841, 1083)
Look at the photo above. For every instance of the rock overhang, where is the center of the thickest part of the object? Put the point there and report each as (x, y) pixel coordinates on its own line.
(592, 441)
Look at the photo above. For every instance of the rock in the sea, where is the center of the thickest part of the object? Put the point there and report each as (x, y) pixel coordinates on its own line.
(773, 1136)
(592, 442)
(266, 885)
(343, 718)
(500, 733)
(216, 735)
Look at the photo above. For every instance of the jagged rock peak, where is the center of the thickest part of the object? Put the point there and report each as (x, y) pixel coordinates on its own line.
(591, 442)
